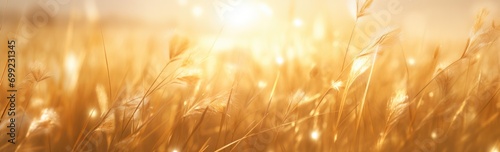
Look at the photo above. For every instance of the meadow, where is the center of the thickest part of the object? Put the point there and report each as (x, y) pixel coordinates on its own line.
(104, 86)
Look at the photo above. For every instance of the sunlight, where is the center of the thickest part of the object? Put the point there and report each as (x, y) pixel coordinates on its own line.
(315, 135)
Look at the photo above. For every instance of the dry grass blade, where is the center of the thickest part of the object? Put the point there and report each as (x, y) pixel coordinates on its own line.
(249, 134)
(38, 73)
(204, 146)
(360, 12)
(78, 144)
(480, 36)
(236, 142)
(384, 37)
(150, 89)
(195, 128)
(215, 104)
(482, 39)
(281, 78)
(223, 117)
(271, 95)
(7, 104)
(188, 80)
(108, 125)
(478, 24)
(364, 61)
(395, 109)
(107, 64)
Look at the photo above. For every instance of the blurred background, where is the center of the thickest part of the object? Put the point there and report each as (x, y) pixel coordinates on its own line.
(280, 61)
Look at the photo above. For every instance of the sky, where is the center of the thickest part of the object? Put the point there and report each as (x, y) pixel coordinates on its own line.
(443, 16)
(166, 9)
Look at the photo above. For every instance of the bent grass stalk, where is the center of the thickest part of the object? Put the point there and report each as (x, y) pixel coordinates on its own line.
(363, 100)
(360, 12)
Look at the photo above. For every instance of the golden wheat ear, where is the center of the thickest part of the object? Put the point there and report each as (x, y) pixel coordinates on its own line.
(362, 10)
(480, 20)
(178, 45)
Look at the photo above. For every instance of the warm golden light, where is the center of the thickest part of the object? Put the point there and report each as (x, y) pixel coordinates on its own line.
(238, 75)
(494, 149)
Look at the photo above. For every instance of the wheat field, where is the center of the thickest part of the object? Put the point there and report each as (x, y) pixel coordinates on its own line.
(87, 81)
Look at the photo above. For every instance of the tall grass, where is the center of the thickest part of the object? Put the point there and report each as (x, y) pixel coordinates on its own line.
(140, 92)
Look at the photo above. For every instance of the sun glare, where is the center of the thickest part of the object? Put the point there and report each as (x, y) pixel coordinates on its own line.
(197, 11)
(297, 22)
(242, 16)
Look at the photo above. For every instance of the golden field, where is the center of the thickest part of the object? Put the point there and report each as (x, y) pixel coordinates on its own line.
(259, 78)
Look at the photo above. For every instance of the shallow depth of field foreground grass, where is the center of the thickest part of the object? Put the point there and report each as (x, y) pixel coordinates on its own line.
(286, 84)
